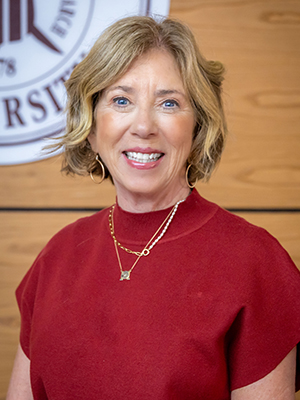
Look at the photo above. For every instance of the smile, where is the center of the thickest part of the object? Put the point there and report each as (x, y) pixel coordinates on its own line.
(143, 157)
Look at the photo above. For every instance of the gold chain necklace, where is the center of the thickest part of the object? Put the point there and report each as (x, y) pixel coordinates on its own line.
(112, 232)
(125, 275)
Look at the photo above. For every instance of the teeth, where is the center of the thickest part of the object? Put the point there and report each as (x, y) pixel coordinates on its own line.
(142, 157)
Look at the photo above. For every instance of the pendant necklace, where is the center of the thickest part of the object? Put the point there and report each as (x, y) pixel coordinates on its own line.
(125, 275)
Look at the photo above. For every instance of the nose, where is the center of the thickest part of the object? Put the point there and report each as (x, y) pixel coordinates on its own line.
(144, 122)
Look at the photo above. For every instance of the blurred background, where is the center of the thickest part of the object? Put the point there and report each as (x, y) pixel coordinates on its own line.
(259, 175)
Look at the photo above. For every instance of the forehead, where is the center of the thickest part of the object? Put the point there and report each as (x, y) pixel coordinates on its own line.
(157, 67)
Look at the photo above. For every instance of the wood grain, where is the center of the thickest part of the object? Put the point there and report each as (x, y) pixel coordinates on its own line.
(41, 184)
(259, 43)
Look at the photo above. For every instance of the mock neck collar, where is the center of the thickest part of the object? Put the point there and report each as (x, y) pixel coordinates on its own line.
(138, 228)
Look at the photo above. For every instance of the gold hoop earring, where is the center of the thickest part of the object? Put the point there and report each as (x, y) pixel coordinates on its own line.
(187, 178)
(103, 171)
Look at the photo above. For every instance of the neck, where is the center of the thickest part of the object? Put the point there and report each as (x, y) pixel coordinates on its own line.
(142, 203)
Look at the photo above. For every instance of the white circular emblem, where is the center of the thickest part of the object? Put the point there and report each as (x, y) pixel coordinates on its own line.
(40, 43)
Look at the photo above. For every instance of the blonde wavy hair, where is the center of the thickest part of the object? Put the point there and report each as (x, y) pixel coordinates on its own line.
(110, 57)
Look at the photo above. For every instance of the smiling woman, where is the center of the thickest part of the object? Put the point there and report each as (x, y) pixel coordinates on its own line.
(143, 131)
(164, 295)
(124, 46)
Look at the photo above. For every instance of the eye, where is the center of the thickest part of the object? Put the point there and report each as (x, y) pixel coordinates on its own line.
(170, 104)
(121, 101)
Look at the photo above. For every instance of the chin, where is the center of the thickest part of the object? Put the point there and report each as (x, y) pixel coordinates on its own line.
(143, 187)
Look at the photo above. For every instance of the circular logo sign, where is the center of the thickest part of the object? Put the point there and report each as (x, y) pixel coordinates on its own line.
(40, 43)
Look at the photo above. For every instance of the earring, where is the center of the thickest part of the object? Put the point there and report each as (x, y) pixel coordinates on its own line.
(103, 171)
(187, 178)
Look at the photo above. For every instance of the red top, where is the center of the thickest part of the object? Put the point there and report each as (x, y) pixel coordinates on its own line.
(214, 307)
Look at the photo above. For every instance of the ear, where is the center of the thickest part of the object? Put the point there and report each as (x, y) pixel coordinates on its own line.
(92, 136)
(92, 139)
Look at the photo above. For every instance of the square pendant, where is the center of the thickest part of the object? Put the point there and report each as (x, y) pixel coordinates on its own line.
(125, 275)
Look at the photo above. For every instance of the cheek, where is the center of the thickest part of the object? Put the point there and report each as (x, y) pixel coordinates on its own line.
(105, 130)
(115, 125)
(182, 134)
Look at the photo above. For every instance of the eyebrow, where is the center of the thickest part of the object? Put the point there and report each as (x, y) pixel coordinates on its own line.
(158, 93)
(126, 89)
(164, 92)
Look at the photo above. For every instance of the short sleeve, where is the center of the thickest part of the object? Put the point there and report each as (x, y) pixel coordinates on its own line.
(25, 295)
(267, 326)
(37, 282)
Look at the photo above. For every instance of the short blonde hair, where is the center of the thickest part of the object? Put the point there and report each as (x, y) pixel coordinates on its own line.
(112, 54)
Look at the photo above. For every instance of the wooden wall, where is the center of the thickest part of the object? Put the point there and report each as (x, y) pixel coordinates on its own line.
(259, 42)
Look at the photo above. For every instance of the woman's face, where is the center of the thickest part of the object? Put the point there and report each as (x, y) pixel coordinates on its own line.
(144, 129)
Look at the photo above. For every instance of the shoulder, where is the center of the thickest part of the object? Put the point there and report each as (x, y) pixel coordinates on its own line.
(225, 232)
(66, 249)
(74, 239)
(242, 246)
(238, 232)
(220, 220)
(80, 229)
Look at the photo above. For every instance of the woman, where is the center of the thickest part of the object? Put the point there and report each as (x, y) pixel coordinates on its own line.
(164, 295)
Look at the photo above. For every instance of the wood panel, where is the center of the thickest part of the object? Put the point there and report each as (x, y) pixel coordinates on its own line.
(235, 184)
(259, 43)
(40, 184)
(24, 234)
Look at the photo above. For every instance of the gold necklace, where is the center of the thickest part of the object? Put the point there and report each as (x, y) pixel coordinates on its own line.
(125, 275)
(112, 232)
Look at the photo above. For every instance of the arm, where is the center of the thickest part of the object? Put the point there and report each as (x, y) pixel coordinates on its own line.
(277, 385)
(19, 387)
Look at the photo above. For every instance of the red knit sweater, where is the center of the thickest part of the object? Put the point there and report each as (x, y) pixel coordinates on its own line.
(215, 306)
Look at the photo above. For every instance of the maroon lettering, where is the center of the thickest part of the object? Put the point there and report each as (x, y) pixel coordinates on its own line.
(58, 30)
(54, 100)
(66, 11)
(12, 106)
(63, 18)
(68, 3)
(36, 104)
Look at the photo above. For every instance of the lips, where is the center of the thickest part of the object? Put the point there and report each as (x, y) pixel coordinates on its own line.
(143, 157)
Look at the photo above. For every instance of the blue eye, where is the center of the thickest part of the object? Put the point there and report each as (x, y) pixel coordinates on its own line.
(171, 104)
(121, 101)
